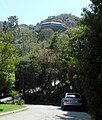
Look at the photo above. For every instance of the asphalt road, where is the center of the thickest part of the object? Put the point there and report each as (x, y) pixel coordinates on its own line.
(45, 112)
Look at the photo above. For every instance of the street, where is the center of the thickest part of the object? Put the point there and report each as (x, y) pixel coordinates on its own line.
(46, 112)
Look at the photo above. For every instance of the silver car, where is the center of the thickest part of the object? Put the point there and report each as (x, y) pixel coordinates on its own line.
(71, 101)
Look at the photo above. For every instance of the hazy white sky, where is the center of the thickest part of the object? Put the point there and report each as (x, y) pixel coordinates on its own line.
(33, 11)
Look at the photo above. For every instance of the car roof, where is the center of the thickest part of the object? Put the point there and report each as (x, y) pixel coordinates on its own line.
(73, 93)
(67, 94)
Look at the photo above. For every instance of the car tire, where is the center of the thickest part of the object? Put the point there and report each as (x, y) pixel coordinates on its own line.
(63, 108)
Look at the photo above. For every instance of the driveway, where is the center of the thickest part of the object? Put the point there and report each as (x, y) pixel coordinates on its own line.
(46, 112)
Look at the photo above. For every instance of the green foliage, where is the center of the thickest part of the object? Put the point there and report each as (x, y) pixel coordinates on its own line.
(20, 102)
(14, 94)
(92, 83)
(8, 60)
(45, 34)
(11, 24)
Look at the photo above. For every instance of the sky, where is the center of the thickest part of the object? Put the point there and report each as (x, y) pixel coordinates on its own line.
(34, 11)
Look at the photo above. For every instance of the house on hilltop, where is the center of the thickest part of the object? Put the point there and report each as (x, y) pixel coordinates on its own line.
(56, 26)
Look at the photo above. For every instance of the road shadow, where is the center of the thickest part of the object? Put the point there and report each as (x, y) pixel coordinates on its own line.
(73, 115)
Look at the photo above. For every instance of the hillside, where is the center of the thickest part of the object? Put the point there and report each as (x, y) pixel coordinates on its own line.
(67, 20)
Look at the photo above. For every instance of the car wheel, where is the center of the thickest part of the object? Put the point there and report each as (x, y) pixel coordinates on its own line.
(63, 108)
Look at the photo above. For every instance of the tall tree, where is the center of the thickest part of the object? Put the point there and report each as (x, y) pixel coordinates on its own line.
(93, 19)
(11, 24)
(8, 60)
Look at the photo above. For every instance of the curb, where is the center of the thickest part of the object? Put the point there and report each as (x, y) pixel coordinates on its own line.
(14, 111)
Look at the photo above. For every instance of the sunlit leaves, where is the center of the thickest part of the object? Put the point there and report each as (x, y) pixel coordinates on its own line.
(8, 60)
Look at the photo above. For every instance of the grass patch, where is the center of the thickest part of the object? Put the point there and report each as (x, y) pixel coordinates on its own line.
(10, 107)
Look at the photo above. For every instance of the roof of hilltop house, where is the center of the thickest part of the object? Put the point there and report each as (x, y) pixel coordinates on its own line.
(53, 25)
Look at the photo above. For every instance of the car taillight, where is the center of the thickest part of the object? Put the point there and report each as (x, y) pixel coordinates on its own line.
(66, 100)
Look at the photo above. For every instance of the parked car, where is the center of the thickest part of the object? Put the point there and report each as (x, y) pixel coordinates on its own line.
(71, 101)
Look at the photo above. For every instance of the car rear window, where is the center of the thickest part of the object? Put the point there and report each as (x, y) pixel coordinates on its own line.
(73, 96)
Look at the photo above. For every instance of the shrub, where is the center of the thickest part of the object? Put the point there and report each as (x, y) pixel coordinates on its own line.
(20, 102)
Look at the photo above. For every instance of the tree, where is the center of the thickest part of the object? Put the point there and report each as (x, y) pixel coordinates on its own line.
(8, 60)
(11, 24)
(93, 79)
(45, 34)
